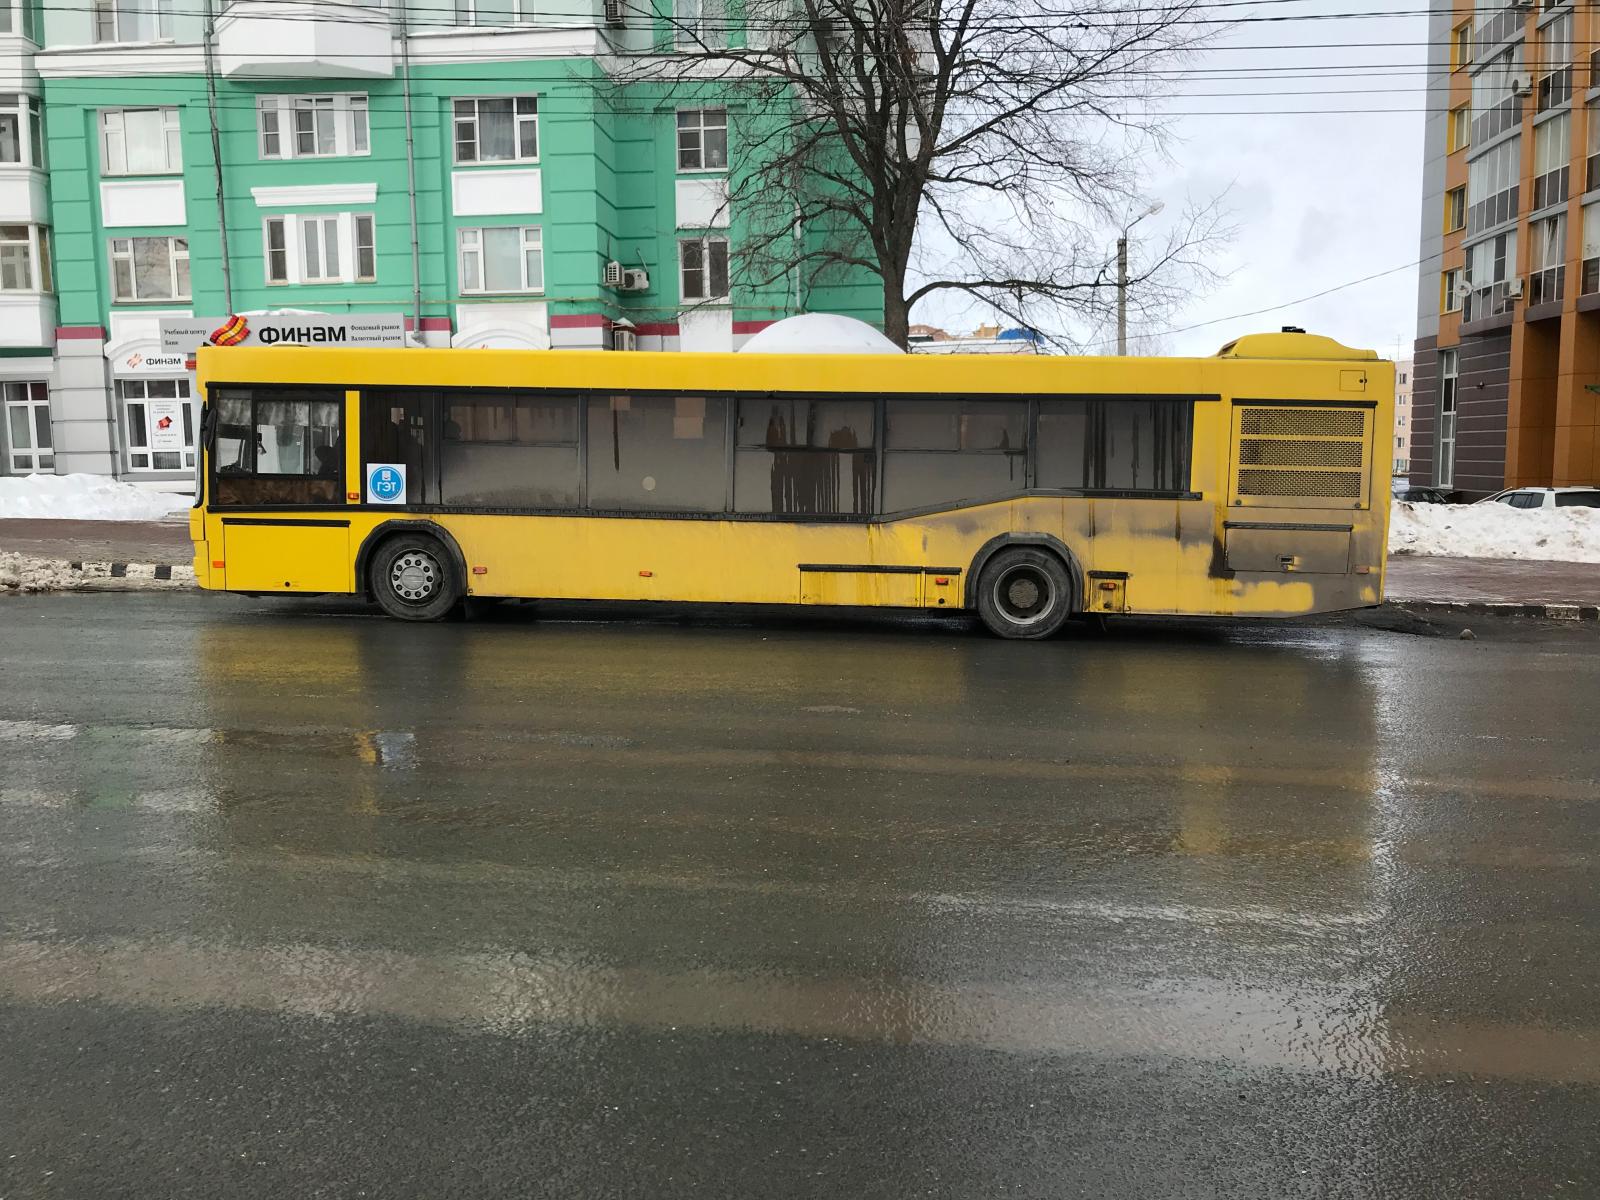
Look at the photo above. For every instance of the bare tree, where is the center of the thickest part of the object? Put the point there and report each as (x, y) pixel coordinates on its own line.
(981, 148)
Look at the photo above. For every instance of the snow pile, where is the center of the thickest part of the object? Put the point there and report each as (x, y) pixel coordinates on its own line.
(84, 498)
(1495, 531)
(20, 573)
(819, 333)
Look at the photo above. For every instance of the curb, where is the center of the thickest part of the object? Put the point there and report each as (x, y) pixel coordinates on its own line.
(1549, 612)
(178, 576)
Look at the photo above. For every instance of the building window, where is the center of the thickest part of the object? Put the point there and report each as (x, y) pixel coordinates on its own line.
(1460, 131)
(1551, 155)
(1461, 45)
(1555, 54)
(320, 248)
(507, 258)
(21, 130)
(27, 408)
(1493, 25)
(25, 259)
(146, 404)
(700, 24)
(497, 129)
(703, 139)
(132, 20)
(313, 126)
(27, 9)
(1455, 209)
(1490, 265)
(703, 264)
(141, 141)
(493, 12)
(1590, 280)
(1592, 149)
(1444, 463)
(1492, 182)
(1547, 268)
(1496, 106)
(1450, 290)
(149, 268)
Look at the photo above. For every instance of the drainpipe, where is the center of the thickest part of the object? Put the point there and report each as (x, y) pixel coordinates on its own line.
(216, 151)
(411, 173)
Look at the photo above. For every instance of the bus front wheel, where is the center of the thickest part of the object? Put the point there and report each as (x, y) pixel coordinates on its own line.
(1024, 593)
(414, 579)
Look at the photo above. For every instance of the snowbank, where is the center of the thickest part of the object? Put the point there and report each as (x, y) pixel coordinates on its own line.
(84, 498)
(819, 333)
(22, 573)
(1495, 531)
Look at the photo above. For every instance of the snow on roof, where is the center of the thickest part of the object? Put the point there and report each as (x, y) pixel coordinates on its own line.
(84, 498)
(819, 333)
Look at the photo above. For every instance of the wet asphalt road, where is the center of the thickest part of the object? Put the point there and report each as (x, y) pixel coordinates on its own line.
(298, 902)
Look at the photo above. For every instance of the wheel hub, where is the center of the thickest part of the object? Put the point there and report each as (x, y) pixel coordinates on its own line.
(1025, 595)
(415, 577)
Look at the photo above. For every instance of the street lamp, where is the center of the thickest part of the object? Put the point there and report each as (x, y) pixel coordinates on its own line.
(1122, 276)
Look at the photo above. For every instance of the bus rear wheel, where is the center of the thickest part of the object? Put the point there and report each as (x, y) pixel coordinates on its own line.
(414, 579)
(1024, 593)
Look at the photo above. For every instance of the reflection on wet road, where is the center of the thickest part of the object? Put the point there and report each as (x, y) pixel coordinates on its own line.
(294, 902)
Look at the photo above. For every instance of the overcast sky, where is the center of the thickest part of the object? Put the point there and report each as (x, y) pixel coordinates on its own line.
(1323, 186)
(1321, 195)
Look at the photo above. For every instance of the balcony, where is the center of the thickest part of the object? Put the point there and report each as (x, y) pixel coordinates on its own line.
(305, 39)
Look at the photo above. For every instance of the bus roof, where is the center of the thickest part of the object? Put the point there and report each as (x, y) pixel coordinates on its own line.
(591, 370)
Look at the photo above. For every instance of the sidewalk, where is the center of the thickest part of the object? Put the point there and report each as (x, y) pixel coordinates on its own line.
(1415, 579)
(162, 543)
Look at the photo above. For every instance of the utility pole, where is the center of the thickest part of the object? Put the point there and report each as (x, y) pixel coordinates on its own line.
(1122, 277)
(216, 150)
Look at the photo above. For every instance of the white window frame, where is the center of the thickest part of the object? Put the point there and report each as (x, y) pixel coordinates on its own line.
(702, 128)
(29, 396)
(36, 258)
(348, 122)
(29, 115)
(114, 141)
(469, 244)
(518, 120)
(700, 24)
(301, 233)
(1451, 286)
(522, 13)
(108, 16)
(704, 242)
(175, 255)
(1444, 459)
(133, 453)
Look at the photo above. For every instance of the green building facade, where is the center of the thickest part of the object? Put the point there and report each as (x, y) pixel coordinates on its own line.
(554, 204)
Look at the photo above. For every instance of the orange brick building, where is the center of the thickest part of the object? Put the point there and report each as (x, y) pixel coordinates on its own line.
(1507, 365)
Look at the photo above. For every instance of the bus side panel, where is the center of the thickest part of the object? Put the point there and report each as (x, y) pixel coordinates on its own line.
(264, 555)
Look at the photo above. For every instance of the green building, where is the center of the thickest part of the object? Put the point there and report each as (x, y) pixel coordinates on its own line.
(474, 167)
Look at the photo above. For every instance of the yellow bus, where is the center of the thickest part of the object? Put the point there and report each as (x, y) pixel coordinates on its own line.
(1026, 489)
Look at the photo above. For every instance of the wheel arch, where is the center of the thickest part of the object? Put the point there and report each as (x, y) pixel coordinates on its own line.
(383, 532)
(1044, 541)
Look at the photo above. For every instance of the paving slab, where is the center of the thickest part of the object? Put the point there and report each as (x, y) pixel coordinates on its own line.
(163, 543)
(1419, 578)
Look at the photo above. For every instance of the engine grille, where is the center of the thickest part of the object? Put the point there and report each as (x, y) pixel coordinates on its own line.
(1304, 453)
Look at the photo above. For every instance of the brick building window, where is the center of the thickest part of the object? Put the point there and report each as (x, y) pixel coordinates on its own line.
(1590, 281)
(1551, 155)
(497, 129)
(1444, 462)
(1492, 184)
(149, 268)
(1555, 63)
(1450, 290)
(1496, 106)
(703, 139)
(141, 141)
(1490, 265)
(1460, 127)
(703, 264)
(1455, 209)
(1547, 270)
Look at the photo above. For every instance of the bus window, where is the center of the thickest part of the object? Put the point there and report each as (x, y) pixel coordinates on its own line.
(658, 453)
(398, 430)
(1131, 445)
(805, 457)
(276, 446)
(509, 451)
(942, 451)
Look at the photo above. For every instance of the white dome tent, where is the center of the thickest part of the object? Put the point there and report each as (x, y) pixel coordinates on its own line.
(819, 333)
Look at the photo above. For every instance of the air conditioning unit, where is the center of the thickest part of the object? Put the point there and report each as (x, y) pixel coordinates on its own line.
(1524, 5)
(613, 276)
(1514, 289)
(624, 339)
(634, 280)
(1522, 85)
(615, 13)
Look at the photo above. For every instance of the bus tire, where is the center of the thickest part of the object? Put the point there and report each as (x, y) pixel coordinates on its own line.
(1024, 593)
(414, 578)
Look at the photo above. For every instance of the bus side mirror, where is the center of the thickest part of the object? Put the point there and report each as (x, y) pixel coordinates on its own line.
(208, 425)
